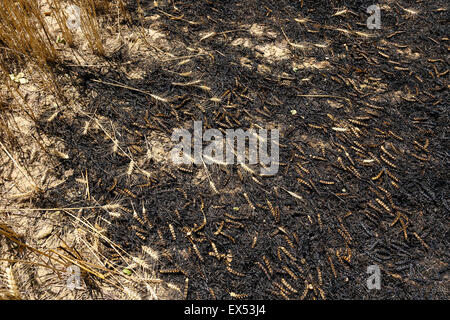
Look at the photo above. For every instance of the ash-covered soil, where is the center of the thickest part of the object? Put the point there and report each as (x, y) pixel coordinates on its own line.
(364, 158)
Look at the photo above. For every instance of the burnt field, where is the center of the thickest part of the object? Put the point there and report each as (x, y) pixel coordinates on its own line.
(364, 154)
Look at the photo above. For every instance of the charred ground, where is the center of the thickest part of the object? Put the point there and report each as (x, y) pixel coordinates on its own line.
(364, 167)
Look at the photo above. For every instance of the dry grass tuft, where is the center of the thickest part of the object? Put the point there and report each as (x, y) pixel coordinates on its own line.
(26, 27)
